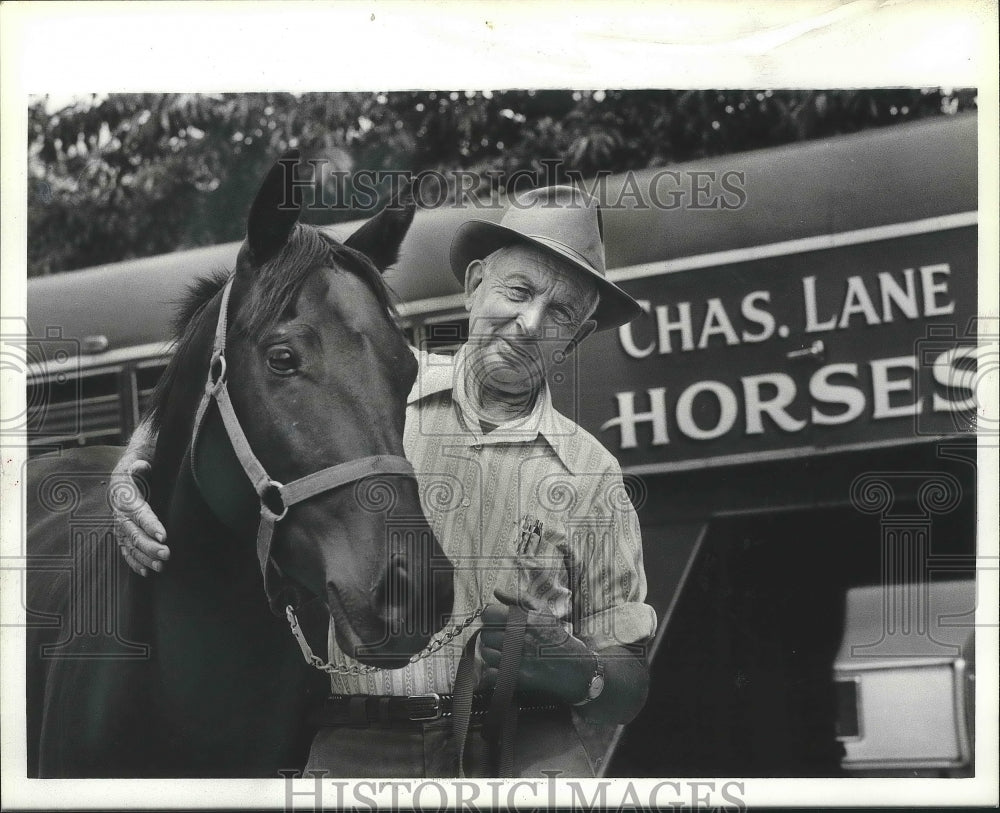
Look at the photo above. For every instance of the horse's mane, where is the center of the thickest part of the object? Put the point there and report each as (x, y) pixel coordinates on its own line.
(277, 284)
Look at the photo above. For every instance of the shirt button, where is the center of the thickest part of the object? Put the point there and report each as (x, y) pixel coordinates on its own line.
(477, 446)
(466, 503)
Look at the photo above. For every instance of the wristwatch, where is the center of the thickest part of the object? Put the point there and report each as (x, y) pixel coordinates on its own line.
(596, 685)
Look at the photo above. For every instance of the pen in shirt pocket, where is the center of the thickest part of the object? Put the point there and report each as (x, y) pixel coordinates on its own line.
(540, 578)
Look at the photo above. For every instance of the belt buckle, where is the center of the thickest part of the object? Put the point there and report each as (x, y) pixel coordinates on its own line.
(435, 712)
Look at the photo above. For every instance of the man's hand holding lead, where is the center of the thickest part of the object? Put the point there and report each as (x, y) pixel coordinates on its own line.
(554, 661)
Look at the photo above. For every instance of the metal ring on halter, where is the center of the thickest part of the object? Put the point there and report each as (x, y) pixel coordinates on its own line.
(273, 487)
(221, 377)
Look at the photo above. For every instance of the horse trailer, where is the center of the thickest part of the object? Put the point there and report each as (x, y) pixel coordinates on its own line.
(794, 413)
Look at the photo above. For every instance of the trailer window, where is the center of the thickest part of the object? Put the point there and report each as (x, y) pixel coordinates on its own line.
(74, 410)
(90, 407)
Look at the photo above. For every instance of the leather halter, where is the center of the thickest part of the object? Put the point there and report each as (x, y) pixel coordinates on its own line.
(283, 496)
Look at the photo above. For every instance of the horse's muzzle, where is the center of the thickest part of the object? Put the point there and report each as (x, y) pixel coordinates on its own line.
(410, 601)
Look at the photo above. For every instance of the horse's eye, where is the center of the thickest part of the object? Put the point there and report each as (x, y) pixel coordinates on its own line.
(282, 360)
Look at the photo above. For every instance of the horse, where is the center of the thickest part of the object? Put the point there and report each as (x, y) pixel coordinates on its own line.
(195, 673)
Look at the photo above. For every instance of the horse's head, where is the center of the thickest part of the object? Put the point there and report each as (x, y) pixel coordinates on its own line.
(318, 374)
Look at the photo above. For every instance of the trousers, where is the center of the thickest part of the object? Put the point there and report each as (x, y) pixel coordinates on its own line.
(546, 741)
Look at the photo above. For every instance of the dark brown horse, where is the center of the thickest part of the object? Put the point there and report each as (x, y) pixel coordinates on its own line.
(194, 672)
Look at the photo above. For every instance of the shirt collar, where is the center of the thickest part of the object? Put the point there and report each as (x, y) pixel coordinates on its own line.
(440, 373)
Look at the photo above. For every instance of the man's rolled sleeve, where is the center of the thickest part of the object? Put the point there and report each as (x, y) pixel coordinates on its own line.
(610, 594)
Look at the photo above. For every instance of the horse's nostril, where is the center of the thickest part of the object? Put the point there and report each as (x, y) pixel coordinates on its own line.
(396, 581)
(397, 561)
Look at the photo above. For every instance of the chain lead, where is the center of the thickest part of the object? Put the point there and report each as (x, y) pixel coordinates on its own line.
(358, 670)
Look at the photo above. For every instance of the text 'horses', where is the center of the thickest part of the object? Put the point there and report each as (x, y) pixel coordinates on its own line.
(289, 434)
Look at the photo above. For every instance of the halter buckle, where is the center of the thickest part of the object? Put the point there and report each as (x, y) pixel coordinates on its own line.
(217, 371)
(272, 491)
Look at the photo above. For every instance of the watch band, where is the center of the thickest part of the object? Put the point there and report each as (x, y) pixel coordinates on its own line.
(596, 684)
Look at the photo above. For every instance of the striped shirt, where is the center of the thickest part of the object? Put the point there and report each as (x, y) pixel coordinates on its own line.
(479, 489)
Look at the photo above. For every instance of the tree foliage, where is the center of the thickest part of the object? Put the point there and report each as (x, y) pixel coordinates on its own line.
(131, 175)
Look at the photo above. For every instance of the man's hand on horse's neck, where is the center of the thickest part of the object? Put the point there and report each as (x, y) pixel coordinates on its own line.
(140, 532)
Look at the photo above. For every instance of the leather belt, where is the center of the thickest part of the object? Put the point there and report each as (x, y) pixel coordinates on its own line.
(361, 710)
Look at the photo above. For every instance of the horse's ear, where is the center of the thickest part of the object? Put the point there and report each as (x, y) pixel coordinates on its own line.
(274, 212)
(380, 238)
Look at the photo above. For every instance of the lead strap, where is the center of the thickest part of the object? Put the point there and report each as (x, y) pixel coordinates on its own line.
(501, 720)
(461, 704)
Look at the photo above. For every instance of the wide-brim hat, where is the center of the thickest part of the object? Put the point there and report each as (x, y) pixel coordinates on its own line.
(560, 220)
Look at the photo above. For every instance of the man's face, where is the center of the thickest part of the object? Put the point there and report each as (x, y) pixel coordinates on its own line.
(525, 306)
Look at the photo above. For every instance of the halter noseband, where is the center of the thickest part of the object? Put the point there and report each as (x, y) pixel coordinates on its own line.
(267, 488)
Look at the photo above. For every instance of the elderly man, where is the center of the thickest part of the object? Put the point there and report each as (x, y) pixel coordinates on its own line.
(530, 508)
